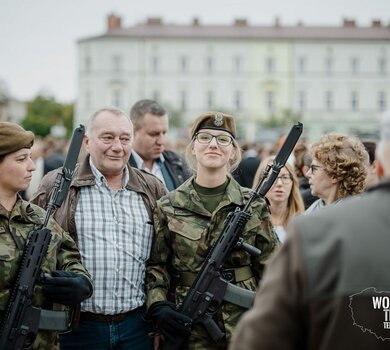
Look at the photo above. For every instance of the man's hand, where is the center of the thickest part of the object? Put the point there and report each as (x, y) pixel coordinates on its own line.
(67, 288)
(171, 323)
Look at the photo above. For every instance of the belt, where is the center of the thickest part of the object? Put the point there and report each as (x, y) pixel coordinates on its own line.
(233, 275)
(90, 316)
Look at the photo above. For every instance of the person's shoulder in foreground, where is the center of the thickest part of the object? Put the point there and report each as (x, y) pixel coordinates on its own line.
(328, 286)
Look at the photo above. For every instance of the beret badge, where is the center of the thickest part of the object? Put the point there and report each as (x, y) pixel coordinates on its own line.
(218, 119)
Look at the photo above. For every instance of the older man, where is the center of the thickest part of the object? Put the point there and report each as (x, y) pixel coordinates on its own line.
(150, 136)
(329, 286)
(109, 213)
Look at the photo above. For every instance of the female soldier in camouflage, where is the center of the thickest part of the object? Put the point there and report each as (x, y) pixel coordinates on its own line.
(69, 282)
(188, 222)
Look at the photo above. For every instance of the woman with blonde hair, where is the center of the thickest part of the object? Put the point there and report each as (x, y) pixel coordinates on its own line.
(284, 197)
(189, 220)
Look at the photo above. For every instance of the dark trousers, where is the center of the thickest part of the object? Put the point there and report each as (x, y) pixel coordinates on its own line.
(131, 333)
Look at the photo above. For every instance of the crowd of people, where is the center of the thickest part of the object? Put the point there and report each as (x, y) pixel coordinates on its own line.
(139, 220)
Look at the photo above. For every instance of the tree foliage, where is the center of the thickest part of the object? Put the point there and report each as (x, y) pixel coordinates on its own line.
(44, 112)
(285, 118)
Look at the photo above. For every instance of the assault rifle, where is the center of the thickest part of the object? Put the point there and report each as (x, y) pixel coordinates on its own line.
(21, 320)
(210, 287)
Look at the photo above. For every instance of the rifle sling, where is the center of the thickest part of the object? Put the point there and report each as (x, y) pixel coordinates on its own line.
(233, 275)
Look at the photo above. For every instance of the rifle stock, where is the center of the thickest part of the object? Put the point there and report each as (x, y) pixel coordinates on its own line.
(209, 289)
(19, 326)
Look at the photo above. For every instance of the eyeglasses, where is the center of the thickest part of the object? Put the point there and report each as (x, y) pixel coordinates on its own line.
(222, 140)
(286, 179)
(313, 168)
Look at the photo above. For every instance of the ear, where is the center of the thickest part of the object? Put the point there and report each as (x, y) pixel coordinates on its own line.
(334, 180)
(233, 154)
(86, 143)
(379, 168)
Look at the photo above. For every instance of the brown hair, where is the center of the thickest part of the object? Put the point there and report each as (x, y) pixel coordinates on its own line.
(344, 158)
(142, 107)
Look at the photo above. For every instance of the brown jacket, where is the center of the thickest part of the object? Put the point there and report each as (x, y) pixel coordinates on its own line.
(140, 181)
(318, 292)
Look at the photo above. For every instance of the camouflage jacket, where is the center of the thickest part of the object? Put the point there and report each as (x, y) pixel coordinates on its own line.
(185, 231)
(62, 255)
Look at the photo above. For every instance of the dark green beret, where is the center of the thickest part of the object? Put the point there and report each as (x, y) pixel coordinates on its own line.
(13, 138)
(216, 121)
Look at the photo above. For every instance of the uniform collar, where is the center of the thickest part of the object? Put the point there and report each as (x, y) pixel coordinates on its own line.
(187, 197)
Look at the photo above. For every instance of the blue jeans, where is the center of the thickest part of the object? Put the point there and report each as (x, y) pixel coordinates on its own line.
(128, 334)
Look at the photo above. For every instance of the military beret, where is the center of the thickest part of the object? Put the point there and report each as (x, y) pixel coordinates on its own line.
(216, 121)
(13, 138)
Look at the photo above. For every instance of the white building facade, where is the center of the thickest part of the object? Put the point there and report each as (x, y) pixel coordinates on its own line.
(333, 78)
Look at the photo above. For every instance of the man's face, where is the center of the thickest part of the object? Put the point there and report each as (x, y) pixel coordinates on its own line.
(109, 143)
(150, 138)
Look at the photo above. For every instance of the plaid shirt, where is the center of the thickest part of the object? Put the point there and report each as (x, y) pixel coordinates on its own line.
(115, 236)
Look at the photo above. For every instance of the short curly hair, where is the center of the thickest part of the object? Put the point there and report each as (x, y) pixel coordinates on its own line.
(345, 158)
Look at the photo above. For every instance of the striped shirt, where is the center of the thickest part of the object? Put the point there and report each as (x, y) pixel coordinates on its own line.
(114, 238)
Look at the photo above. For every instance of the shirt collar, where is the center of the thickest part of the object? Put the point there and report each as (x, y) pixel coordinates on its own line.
(140, 162)
(101, 180)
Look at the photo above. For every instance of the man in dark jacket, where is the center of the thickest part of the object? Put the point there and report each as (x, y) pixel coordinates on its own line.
(150, 122)
(329, 285)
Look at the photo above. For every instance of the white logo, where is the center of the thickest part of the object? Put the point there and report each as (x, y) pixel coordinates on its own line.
(370, 311)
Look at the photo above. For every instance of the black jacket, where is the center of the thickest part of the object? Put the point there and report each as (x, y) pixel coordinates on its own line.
(176, 166)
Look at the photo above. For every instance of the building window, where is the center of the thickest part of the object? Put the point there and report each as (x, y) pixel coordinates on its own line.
(354, 65)
(301, 65)
(329, 65)
(382, 101)
(155, 64)
(270, 65)
(237, 100)
(354, 101)
(329, 101)
(88, 99)
(301, 100)
(116, 64)
(87, 63)
(183, 100)
(156, 95)
(382, 65)
(210, 99)
(237, 64)
(270, 101)
(209, 64)
(117, 98)
(183, 64)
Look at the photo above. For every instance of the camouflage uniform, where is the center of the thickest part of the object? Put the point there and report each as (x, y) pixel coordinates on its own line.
(185, 231)
(62, 255)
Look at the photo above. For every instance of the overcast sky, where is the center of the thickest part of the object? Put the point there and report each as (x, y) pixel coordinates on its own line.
(38, 37)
